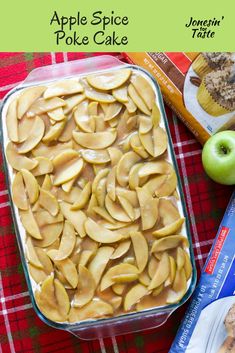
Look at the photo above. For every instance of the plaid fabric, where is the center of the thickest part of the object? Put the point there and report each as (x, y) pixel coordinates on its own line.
(21, 331)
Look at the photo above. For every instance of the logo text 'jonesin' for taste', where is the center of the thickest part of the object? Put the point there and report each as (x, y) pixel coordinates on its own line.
(203, 28)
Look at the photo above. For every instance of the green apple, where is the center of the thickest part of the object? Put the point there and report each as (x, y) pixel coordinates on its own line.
(218, 157)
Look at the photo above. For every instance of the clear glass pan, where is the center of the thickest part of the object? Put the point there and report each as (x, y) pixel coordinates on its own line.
(130, 322)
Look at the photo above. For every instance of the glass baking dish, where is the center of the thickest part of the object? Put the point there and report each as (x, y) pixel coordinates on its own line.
(124, 323)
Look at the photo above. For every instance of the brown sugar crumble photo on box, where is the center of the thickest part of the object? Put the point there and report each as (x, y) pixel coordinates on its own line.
(96, 197)
(199, 87)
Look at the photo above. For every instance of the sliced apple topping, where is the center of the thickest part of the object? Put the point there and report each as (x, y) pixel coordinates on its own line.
(100, 233)
(124, 166)
(96, 192)
(170, 242)
(96, 140)
(138, 100)
(148, 208)
(42, 105)
(121, 270)
(76, 217)
(134, 295)
(140, 249)
(99, 262)
(18, 192)
(63, 88)
(120, 94)
(108, 81)
(12, 121)
(27, 98)
(34, 137)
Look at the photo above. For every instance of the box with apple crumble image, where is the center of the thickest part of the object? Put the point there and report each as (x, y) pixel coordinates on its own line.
(199, 87)
(209, 323)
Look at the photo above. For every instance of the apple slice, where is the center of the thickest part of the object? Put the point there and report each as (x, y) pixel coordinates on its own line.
(12, 121)
(95, 309)
(137, 146)
(171, 276)
(130, 195)
(187, 266)
(43, 218)
(124, 166)
(100, 192)
(70, 196)
(50, 233)
(48, 201)
(96, 140)
(169, 229)
(99, 262)
(130, 106)
(83, 120)
(54, 131)
(145, 124)
(29, 223)
(31, 185)
(72, 102)
(138, 100)
(110, 80)
(111, 184)
(100, 233)
(152, 266)
(116, 302)
(134, 295)
(27, 98)
(120, 94)
(144, 279)
(47, 183)
(104, 214)
(114, 272)
(34, 137)
(112, 111)
(169, 185)
(115, 155)
(56, 115)
(18, 192)
(97, 96)
(116, 211)
(53, 300)
(168, 212)
(76, 217)
(83, 198)
(179, 288)
(32, 255)
(39, 275)
(156, 167)
(91, 205)
(69, 171)
(148, 208)
(147, 142)
(63, 88)
(180, 258)
(140, 246)
(154, 183)
(86, 288)
(128, 208)
(118, 288)
(85, 257)
(42, 150)
(156, 115)
(161, 273)
(41, 106)
(67, 243)
(44, 166)
(95, 156)
(167, 243)
(159, 140)
(144, 89)
(68, 269)
(66, 134)
(134, 180)
(121, 250)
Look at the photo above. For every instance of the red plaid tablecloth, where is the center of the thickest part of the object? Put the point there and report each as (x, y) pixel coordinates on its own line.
(21, 331)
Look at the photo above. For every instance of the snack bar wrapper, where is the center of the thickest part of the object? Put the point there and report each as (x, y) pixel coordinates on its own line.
(209, 323)
(199, 87)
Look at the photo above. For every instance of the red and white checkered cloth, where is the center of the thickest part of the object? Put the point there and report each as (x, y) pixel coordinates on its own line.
(21, 331)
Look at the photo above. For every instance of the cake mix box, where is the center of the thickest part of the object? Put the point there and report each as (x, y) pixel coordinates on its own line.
(199, 87)
(209, 323)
